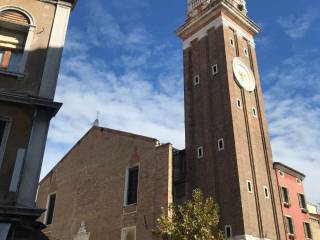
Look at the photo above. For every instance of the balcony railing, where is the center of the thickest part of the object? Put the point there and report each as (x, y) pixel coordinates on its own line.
(195, 3)
(192, 4)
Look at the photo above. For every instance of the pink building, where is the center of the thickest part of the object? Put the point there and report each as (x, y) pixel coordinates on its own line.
(293, 201)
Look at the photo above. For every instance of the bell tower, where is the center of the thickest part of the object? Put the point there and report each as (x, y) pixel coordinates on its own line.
(228, 152)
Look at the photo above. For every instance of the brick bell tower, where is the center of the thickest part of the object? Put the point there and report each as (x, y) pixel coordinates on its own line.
(32, 36)
(228, 152)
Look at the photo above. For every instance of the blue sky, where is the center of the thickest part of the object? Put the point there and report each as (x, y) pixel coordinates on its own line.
(122, 58)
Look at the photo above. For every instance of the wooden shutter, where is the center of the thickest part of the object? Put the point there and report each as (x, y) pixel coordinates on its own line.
(14, 16)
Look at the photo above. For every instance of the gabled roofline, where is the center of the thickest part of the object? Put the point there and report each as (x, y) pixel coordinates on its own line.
(123, 133)
(288, 170)
(113, 131)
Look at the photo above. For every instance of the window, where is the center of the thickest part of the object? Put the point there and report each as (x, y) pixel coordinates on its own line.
(228, 231)
(285, 195)
(307, 230)
(4, 131)
(128, 233)
(196, 80)
(232, 42)
(3, 125)
(12, 44)
(4, 58)
(200, 152)
(214, 69)
(239, 103)
(298, 180)
(50, 209)
(132, 185)
(249, 186)
(246, 52)
(281, 173)
(266, 192)
(302, 201)
(254, 112)
(289, 225)
(1, 56)
(220, 144)
(16, 31)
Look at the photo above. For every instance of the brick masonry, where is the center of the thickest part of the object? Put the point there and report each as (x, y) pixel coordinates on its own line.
(212, 113)
(90, 182)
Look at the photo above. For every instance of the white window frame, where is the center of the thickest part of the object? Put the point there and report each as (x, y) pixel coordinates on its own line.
(304, 222)
(281, 173)
(45, 219)
(282, 197)
(214, 69)
(126, 186)
(246, 52)
(196, 80)
(225, 231)
(30, 33)
(291, 234)
(268, 192)
(249, 182)
(239, 102)
(200, 149)
(221, 140)
(254, 112)
(1, 56)
(5, 137)
(126, 229)
(305, 201)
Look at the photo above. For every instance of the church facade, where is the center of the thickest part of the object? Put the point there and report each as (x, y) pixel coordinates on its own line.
(112, 184)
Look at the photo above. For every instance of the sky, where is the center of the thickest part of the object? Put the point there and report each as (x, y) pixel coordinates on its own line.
(123, 62)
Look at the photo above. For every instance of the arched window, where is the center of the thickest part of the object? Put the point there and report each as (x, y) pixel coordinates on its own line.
(16, 31)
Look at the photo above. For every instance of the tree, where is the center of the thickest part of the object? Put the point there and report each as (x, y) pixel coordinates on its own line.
(196, 219)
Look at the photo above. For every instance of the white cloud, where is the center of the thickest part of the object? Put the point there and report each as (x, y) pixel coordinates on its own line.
(297, 26)
(128, 90)
(293, 111)
(146, 95)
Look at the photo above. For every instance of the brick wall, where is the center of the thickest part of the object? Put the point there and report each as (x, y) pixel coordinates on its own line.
(90, 181)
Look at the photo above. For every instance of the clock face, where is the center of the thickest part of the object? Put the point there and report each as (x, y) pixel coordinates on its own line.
(244, 75)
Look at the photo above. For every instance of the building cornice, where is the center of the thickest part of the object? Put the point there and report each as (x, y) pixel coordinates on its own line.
(49, 105)
(288, 170)
(69, 3)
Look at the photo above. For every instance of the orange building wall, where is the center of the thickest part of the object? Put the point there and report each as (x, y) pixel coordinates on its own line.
(294, 210)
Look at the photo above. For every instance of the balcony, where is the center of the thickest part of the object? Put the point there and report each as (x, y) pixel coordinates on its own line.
(239, 4)
(192, 4)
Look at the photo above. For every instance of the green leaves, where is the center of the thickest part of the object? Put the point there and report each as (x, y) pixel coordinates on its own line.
(196, 219)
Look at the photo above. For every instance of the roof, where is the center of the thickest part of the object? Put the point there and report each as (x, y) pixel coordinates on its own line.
(288, 170)
(113, 131)
(122, 133)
